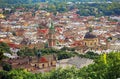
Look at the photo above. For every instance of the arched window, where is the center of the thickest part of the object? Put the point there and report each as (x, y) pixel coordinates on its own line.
(35, 65)
(51, 63)
(43, 65)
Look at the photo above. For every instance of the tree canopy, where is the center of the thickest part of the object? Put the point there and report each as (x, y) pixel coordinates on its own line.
(98, 70)
(61, 54)
(4, 48)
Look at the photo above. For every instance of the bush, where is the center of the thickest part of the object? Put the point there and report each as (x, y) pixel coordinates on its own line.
(7, 67)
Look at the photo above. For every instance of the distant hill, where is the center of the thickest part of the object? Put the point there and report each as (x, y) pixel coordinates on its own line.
(35, 1)
(97, 0)
(84, 0)
(11, 3)
(20, 1)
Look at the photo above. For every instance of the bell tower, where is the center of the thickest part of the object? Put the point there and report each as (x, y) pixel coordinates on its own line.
(51, 35)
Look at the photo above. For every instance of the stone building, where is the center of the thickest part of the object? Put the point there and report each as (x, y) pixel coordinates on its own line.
(90, 40)
(33, 64)
(45, 62)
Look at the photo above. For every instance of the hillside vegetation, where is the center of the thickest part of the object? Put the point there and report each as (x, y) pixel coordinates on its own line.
(107, 66)
(35, 1)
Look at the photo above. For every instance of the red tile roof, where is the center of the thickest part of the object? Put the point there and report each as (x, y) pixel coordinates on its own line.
(43, 31)
(59, 29)
(12, 45)
(43, 60)
(77, 43)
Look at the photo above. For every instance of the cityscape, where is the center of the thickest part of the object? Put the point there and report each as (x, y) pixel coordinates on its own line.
(62, 39)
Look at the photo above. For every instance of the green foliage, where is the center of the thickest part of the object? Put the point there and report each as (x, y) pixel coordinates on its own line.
(19, 1)
(14, 33)
(4, 75)
(20, 74)
(61, 54)
(87, 9)
(4, 48)
(50, 1)
(1, 54)
(64, 55)
(90, 55)
(26, 52)
(96, 9)
(6, 67)
(109, 39)
(67, 49)
(57, 7)
(111, 70)
(98, 70)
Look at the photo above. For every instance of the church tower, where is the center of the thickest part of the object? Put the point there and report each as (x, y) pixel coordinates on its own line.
(51, 35)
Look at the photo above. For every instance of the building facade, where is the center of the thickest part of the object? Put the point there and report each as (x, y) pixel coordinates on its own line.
(90, 40)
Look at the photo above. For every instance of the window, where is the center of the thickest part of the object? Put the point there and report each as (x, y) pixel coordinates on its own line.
(51, 63)
(42, 65)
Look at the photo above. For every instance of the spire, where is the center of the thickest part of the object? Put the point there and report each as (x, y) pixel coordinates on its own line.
(51, 26)
(90, 29)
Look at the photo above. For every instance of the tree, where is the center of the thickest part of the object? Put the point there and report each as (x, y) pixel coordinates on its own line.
(4, 48)
(1, 54)
(3, 75)
(98, 70)
(25, 51)
(13, 33)
(6, 67)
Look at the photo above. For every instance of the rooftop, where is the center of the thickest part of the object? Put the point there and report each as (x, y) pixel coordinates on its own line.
(89, 35)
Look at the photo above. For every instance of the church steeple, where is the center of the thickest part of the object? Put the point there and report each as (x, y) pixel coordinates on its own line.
(51, 25)
(51, 35)
(90, 29)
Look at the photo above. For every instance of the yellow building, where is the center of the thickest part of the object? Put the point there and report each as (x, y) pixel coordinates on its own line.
(90, 40)
(2, 16)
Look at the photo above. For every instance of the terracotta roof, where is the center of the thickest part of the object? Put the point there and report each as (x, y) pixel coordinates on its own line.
(13, 45)
(77, 43)
(5, 40)
(59, 29)
(43, 31)
(43, 60)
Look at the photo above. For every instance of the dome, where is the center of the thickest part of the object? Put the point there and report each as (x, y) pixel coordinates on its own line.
(89, 35)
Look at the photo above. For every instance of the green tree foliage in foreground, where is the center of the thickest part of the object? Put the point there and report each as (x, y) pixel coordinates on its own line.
(4, 48)
(98, 70)
(6, 67)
